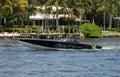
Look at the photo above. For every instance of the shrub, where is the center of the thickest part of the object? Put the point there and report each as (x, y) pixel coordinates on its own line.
(15, 29)
(1, 30)
(91, 30)
(66, 21)
(114, 29)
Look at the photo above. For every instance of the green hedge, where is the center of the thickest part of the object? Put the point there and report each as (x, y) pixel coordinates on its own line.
(15, 30)
(91, 30)
(23, 30)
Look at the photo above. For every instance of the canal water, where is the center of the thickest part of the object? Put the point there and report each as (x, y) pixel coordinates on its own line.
(18, 60)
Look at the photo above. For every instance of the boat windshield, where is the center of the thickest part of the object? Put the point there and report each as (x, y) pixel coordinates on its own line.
(71, 40)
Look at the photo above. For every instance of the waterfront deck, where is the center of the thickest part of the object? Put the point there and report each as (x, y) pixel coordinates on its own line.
(51, 35)
(40, 35)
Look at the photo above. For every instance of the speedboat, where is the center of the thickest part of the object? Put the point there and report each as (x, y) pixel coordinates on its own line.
(57, 44)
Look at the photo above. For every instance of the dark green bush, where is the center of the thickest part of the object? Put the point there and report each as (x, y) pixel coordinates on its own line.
(66, 21)
(1, 30)
(8, 29)
(91, 30)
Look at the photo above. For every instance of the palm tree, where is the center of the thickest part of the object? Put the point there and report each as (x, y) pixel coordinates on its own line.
(103, 7)
(83, 7)
(93, 9)
(57, 4)
(2, 8)
(116, 13)
(21, 12)
(32, 8)
(80, 7)
(111, 5)
(5, 11)
(0, 11)
(12, 7)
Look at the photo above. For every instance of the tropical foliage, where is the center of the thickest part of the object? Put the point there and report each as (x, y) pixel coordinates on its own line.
(101, 12)
(91, 30)
(15, 12)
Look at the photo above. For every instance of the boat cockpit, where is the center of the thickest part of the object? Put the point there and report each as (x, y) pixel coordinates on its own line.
(71, 40)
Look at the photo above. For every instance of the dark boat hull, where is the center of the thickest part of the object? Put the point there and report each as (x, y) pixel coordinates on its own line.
(52, 44)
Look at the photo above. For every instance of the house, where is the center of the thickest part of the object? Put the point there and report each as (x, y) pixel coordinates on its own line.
(117, 18)
(48, 19)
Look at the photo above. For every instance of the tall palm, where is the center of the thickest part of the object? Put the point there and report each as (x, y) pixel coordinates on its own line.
(32, 10)
(116, 13)
(14, 6)
(0, 11)
(5, 11)
(21, 12)
(112, 4)
(79, 7)
(57, 4)
(93, 9)
(103, 7)
(2, 6)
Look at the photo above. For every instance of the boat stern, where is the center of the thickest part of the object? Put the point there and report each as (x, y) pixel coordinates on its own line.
(96, 47)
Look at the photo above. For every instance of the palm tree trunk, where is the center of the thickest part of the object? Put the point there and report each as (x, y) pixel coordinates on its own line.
(118, 24)
(13, 23)
(57, 21)
(0, 16)
(28, 18)
(4, 21)
(22, 24)
(0, 20)
(110, 19)
(93, 20)
(80, 16)
(104, 20)
(45, 17)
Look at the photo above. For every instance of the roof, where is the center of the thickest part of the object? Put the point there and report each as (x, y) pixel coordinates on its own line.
(40, 16)
(118, 18)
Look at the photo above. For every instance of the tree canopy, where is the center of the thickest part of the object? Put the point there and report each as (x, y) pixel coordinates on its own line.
(101, 12)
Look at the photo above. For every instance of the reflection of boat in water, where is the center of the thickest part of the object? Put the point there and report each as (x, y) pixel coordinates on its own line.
(59, 44)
